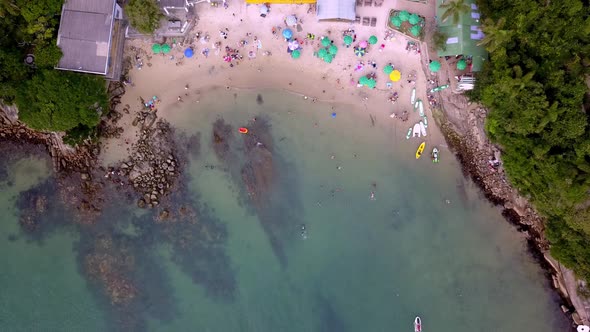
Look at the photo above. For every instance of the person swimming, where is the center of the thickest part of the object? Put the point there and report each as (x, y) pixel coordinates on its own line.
(372, 196)
(303, 232)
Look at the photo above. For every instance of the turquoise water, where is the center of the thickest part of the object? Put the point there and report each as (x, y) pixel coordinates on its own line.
(427, 245)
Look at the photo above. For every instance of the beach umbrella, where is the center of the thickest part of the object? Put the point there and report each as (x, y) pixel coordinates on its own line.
(395, 75)
(415, 30)
(322, 53)
(387, 69)
(296, 54)
(157, 48)
(293, 45)
(333, 49)
(188, 53)
(414, 19)
(371, 83)
(287, 33)
(583, 328)
(347, 40)
(461, 64)
(363, 44)
(328, 58)
(359, 51)
(434, 66)
(404, 15)
(373, 40)
(166, 48)
(363, 80)
(291, 20)
(326, 41)
(263, 9)
(396, 21)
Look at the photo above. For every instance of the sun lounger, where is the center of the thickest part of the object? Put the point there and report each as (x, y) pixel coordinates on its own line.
(359, 3)
(373, 21)
(378, 3)
(366, 21)
(357, 19)
(368, 3)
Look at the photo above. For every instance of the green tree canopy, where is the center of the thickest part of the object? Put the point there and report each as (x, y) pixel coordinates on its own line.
(60, 101)
(454, 9)
(47, 99)
(144, 15)
(534, 87)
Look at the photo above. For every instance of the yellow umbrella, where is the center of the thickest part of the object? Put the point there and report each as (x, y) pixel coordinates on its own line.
(395, 75)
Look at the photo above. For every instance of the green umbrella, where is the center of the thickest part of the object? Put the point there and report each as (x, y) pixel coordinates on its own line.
(404, 15)
(166, 48)
(333, 49)
(414, 19)
(415, 30)
(434, 66)
(296, 54)
(328, 58)
(396, 21)
(372, 40)
(371, 83)
(326, 41)
(347, 40)
(363, 80)
(388, 69)
(461, 64)
(322, 53)
(157, 48)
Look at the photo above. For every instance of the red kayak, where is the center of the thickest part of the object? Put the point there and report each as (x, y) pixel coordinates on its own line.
(243, 130)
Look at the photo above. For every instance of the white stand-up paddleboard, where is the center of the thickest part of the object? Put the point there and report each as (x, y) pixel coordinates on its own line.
(413, 97)
(421, 108)
(416, 130)
(422, 128)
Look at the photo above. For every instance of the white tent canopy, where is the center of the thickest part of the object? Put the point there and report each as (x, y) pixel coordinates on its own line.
(336, 9)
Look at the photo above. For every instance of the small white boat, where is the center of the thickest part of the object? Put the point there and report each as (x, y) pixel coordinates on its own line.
(425, 119)
(421, 108)
(416, 130)
(417, 324)
(413, 96)
(422, 128)
(409, 134)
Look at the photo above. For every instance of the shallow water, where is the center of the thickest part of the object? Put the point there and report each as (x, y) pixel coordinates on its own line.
(428, 245)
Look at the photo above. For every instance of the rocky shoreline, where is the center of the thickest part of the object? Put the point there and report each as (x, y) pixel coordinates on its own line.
(479, 159)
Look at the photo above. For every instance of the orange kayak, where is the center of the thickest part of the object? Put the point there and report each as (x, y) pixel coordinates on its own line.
(243, 130)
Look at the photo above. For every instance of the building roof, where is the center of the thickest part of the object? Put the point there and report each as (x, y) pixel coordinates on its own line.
(336, 10)
(463, 36)
(172, 3)
(84, 36)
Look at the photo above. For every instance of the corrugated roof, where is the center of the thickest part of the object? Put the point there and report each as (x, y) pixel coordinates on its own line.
(90, 6)
(84, 35)
(172, 3)
(463, 36)
(336, 9)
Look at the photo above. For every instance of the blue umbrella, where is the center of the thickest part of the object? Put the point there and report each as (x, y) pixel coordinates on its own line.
(188, 53)
(287, 33)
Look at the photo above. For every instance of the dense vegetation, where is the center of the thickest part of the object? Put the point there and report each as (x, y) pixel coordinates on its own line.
(47, 99)
(534, 86)
(144, 15)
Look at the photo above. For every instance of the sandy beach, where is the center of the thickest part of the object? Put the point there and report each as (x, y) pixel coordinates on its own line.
(175, 79)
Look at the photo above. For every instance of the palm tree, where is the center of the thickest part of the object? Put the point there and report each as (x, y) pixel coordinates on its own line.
(8, 7)
(494, 34)
(454, 9)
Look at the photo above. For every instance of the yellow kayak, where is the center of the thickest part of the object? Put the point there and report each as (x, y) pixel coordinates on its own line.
(420, 150)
